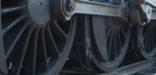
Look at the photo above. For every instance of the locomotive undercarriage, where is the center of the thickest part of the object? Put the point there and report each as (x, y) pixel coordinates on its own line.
(37, 36)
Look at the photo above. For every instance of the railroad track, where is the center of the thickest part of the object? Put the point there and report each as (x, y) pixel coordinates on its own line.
(134, 68)
(140, 67)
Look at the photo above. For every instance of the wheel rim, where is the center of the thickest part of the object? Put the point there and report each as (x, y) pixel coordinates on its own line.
(147, 40)
(105, 32)
(34, 48)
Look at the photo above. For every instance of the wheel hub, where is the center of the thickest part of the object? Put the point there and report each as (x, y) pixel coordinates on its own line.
(38, 11)
(62, 9)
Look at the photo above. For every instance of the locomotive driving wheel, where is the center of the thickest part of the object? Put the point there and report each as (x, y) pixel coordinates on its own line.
(147, 40)
(111, 37)
(34, 42)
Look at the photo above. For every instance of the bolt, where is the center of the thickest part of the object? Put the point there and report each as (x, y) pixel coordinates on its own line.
(69, 5)
(10, 65)
(67, 59)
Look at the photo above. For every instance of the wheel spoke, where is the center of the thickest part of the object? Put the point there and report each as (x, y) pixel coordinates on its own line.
(115, 45)
(45, 49)
(124, 34)
(16, 40)
(108, 37)
(42, 64)
(108, 32)
(60, 30)
(110, 44)
(145, 34)
(146, 43)
(24, 51)
(149, 43)
(14, 23)
(152, 44)
(53, 41)
(35, 53)
(12, 9)
(120, 41)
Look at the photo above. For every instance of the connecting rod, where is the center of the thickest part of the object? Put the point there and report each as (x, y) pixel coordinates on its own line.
(145, 10)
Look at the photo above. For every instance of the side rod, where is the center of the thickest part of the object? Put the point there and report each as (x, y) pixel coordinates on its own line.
(105, 9)
(97, 8)
(128, 9)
